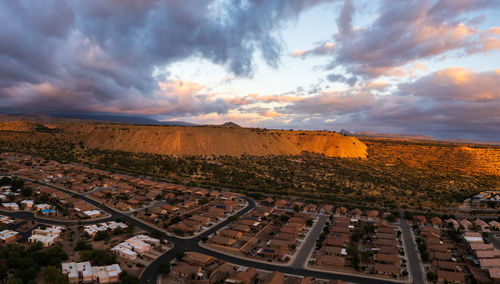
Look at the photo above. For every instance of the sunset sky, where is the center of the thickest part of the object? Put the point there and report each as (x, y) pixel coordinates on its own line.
(415, 67)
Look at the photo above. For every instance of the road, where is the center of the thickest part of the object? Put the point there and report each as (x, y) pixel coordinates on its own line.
(150, 274)
(31, 216)
(309, 243)
(411, 249)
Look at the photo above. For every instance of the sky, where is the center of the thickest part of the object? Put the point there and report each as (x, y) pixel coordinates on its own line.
(426, 67)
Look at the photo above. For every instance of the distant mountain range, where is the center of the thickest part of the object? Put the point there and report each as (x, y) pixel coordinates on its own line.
(132, 119)
(129, 119)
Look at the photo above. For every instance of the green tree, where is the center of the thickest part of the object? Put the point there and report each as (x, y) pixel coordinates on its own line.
(83, 245)
(53, 275)
(14, 280)
(179, 255)
(27, 191)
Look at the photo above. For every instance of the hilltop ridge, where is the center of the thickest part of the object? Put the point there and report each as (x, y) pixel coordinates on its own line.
(228, 139)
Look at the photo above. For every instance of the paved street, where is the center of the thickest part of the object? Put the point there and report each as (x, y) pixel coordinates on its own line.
(309, 243)
(411, 250)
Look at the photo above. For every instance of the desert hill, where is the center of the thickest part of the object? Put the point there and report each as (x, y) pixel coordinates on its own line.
(212, 140)
(197, 140)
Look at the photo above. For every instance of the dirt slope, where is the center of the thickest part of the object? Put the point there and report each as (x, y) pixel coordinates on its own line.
(211, 140)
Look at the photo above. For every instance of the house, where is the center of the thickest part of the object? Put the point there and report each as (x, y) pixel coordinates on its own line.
(387, 269)
(249, 222)
(386, 258)
(137, 245)
(243, 277)
(494, 274)
(278, 244)
(341, 211)
(356, 213)
(372, 215)
(326, 209)
(473, 237)
(310, 207)
(122, 206)
(47, 236)
(436, 255)
(335, 242)
(287, 236)
(214, 213)
(28, 204)
(446, 265)
(450, 276)
(494, 225)
(170, 208)
(214, 194)
(466, 224)
(194, 225)
(483, 226)
(436, 222)
(169, 196)
(329, 260)
(274, 278)
(202, 260)
(452, 223)
(487, 263)
(181, 227)
(334, 251)
(232, 234)
(201, 193)
(272, 253)
(8, 236)
(92, 213)
(185, 270)
(222, 241)
(201, 219)
(481, 246)
(421, 220)
(281, 203)
(487, 254)
(289, 230)
(11, 206)
(267, 201)
(227, 196)
(241, 228)
(6, 220)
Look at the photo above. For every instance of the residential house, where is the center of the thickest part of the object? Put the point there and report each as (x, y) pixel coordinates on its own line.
(466, 224)
(450, 276)
(329, 260)
(452, 223)
(483, 226)
(436, 222)
(8, 236)
(243, 277)
(387, 269)
(186, 271)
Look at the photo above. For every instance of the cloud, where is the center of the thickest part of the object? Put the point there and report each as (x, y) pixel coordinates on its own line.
(457, 84)
(105, 51)
(405, 32)
(341, 78)
(325, 48)
(450, 103)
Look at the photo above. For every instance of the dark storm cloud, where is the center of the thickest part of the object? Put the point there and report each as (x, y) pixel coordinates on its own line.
(103, 52)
